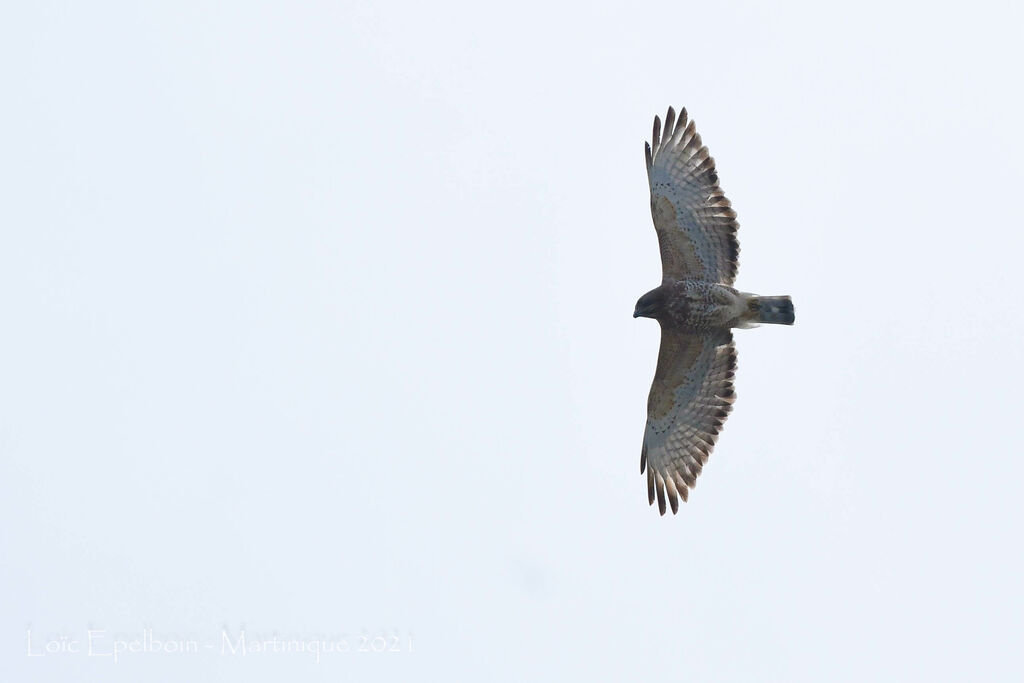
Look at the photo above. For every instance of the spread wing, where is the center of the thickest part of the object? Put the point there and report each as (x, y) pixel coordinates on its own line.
(691, 396)
(695, 222)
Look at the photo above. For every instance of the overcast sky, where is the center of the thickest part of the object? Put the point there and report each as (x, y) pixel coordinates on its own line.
(316, 324)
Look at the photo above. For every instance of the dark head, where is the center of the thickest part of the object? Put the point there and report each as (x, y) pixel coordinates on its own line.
(651, 304)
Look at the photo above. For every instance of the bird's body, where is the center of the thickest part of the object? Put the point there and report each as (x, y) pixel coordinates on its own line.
(697, 308)
(700, 307)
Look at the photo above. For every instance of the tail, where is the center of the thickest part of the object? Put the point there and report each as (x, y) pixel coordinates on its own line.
(776, 310)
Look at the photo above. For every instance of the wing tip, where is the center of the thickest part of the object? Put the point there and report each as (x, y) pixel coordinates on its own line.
(668, 488)
(673, 496)
(675, 124)
(670, 122)
(650, 486)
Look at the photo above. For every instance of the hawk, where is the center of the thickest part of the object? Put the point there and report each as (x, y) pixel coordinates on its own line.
(697, 308)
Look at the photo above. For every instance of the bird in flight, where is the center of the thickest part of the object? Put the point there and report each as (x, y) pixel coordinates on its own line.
(697, 308)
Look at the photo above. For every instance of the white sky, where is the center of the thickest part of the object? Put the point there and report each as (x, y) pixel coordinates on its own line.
(317, 322)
